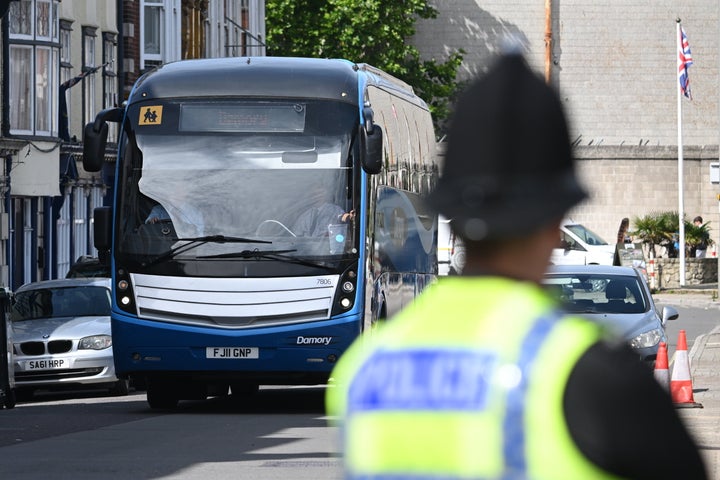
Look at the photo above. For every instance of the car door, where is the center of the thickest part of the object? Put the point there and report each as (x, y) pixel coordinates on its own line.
(569, 251)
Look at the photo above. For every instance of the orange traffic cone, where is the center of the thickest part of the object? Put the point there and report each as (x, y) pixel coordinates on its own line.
(662, 373)
(681, 388)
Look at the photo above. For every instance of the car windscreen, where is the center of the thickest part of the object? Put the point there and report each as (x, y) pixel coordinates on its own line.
(76, 301)
(597, 293)
(586, 235)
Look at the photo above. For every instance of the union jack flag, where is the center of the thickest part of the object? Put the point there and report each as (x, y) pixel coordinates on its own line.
(684, 61)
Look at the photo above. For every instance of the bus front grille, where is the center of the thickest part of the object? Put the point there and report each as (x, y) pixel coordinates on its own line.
(234, 303)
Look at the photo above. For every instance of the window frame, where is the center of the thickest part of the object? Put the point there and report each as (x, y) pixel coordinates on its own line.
(152, 58)
(89, 52)
(109, 74)
(32, 100)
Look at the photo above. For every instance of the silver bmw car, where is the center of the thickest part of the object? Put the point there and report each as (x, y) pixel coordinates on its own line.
(616, 297)
(61, 336)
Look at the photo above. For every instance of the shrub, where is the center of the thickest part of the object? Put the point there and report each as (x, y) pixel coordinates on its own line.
(661, 229)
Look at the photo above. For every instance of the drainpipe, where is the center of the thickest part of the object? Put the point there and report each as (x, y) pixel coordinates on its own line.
(548, 40)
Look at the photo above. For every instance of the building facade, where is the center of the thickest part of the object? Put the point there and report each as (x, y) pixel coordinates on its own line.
(61, 63)
(615, 64)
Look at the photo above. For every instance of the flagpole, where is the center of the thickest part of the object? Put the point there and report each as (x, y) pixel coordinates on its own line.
(681, 206)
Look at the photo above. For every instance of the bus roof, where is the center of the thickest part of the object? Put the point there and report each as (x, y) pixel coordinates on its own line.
(293, 77)
(251, 76)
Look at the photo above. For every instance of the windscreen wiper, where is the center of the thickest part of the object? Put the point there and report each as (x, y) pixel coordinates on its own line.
(277, 255)
(196, 242)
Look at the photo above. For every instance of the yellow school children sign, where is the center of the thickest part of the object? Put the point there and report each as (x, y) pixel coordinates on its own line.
(151, 115)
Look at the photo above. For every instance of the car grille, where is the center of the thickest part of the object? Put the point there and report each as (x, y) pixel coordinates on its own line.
(39, 348)
(57, 374)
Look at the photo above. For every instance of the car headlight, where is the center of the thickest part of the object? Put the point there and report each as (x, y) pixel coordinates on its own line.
(95, 342)
(647, 339)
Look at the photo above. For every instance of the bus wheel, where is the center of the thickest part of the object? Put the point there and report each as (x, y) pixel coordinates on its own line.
(243, 389)
(162, 395)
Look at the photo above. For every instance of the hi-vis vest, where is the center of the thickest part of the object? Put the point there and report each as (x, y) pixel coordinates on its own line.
(465, 383)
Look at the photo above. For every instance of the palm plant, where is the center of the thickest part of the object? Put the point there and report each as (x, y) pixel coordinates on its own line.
(662, 228)
(656, 229)
(696, 235)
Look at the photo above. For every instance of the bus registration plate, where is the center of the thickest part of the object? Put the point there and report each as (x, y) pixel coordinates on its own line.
(232, 352)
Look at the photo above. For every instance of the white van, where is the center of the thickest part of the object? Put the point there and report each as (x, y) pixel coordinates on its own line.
(581, 246)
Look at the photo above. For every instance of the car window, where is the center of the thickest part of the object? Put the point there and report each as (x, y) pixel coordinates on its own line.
(597, 293)
(88, 268)
(61, 302)
(587, 236)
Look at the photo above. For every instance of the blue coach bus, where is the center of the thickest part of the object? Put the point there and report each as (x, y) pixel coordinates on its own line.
(266, 212)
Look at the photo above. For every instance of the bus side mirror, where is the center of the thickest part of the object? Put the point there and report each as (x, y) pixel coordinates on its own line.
(102, 231)
(371, 143)
(95, 138)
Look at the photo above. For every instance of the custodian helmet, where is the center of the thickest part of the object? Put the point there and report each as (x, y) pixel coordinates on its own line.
(508, 166)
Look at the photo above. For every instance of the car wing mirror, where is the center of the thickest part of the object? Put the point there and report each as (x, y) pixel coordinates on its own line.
(669, 313)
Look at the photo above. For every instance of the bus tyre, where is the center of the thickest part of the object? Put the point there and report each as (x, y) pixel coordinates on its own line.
(243, 389)
(161, 396)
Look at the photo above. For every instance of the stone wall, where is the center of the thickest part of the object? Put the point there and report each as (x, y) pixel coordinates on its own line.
(615, 66)
(698, 271)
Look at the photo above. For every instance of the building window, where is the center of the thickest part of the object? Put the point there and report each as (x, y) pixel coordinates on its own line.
(153, 28)
(28, 238)
(194, 35)
(65, 53)
(64, 229)
(110, 79)
(80, 211)
(34, 52)
(236, 28)
(88, 55)
(64, 102)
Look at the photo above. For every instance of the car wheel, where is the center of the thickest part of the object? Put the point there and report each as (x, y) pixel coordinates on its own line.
(120, 388)
(24, 394)
(10, 399)
(162, 395)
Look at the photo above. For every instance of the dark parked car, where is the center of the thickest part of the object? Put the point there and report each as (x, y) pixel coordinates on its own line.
(88, 267)
(614, 296)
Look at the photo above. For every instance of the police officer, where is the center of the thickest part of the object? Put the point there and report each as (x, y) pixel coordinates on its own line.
(482, 376)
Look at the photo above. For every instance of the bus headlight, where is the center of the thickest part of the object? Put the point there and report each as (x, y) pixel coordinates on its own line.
(124, 295)
(345, 294)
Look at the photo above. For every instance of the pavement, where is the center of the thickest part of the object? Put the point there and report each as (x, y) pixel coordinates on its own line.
(702, 417)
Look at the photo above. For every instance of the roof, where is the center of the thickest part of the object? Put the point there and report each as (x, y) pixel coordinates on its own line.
(331, 79)
(592, 269)
(66, 282)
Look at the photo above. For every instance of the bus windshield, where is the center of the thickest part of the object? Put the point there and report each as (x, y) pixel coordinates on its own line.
(290, 191)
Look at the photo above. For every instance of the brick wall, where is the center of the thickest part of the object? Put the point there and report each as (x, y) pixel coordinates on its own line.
(615, 65)
(614, 61)
(634, 181)
(637, 181)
